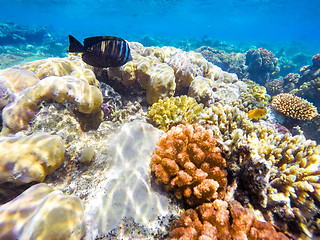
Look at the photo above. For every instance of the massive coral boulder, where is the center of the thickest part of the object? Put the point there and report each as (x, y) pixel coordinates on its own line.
(31, 158)
(42, 213)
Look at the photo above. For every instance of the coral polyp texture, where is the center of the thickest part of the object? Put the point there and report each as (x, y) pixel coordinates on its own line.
(42, 213)
(164, 71)
(175, 110)
(294, 107)
(188, 162)
(72, 66)
(30, 158)
(221, 220)
(279, 173)
(87, 98)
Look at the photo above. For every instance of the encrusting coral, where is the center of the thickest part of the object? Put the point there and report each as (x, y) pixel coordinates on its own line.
(30, 158)
(221, 220)
(175, 110)
(87, 98)
(188, 162)
(294, 107)
(42, 213)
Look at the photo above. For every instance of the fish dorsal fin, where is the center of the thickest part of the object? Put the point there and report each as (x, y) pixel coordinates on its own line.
(88, 42)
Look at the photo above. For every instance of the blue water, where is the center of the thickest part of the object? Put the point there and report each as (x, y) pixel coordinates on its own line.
(251, 21)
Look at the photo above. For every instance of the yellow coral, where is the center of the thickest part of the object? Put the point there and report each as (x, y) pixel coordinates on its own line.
(174, 110)
(31, 158)
(294, 107)
(17, 115)
(42, 213)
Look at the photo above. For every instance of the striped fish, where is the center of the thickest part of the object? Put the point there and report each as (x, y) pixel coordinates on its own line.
(102, 52)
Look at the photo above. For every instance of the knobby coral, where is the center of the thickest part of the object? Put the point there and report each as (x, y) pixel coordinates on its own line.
(220, 220)
(188, 162)
(175, 110)
(294, 107)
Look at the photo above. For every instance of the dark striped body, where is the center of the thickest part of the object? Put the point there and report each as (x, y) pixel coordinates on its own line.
(102, 51)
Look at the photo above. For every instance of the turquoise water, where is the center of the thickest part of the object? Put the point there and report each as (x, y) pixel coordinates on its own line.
(279, 23)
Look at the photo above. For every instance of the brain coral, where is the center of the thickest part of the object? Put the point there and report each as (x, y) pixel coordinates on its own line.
(31, 158)
(188, 162)
(72, 66)
(42, 213)
(221, 220)
(294, 107)
(174, 110)
(87, 98)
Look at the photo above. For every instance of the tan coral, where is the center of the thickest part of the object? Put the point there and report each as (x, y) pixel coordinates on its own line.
(28, 159)
(220, 220)
(294, 107)
(188, 162)
(87, 98)
(42, 213)
(61, 67)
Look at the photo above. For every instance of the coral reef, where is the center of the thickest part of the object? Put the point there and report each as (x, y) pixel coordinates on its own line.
(165, 71)
(42, 213)
(30, 158)
(175, 110)
(87, 98)
(231, 62)
(276, 173)
(188, 162)
(275, 86)
(294, 107)
(222, 220)
(261, 65)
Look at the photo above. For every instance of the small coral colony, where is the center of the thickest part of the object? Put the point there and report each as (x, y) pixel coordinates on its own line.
(233, 157)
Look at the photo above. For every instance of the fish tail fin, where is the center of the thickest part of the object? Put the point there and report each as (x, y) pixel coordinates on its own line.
(75, 45)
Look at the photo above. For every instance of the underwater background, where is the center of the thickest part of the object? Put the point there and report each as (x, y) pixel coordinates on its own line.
(208, 128)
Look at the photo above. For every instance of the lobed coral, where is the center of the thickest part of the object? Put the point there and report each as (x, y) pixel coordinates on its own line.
(188, 162)
(87, 98)
(165, 71)
(42, 213)
(72, 66)
(223, 220)
(30, 158)
(294, 107)
(175, 110)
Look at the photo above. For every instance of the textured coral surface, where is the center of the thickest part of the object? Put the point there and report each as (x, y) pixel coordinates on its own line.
(294, 107)
(30, 158)
(188, 162)
(221, 220)
(42, 213)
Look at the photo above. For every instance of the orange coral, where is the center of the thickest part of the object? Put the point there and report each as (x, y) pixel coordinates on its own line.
(220, 220)
(188, 162)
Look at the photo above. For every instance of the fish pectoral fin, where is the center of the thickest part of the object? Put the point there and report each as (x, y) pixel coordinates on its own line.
(75, 45)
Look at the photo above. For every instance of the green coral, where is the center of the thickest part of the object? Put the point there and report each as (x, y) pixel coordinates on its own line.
(175, 110)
